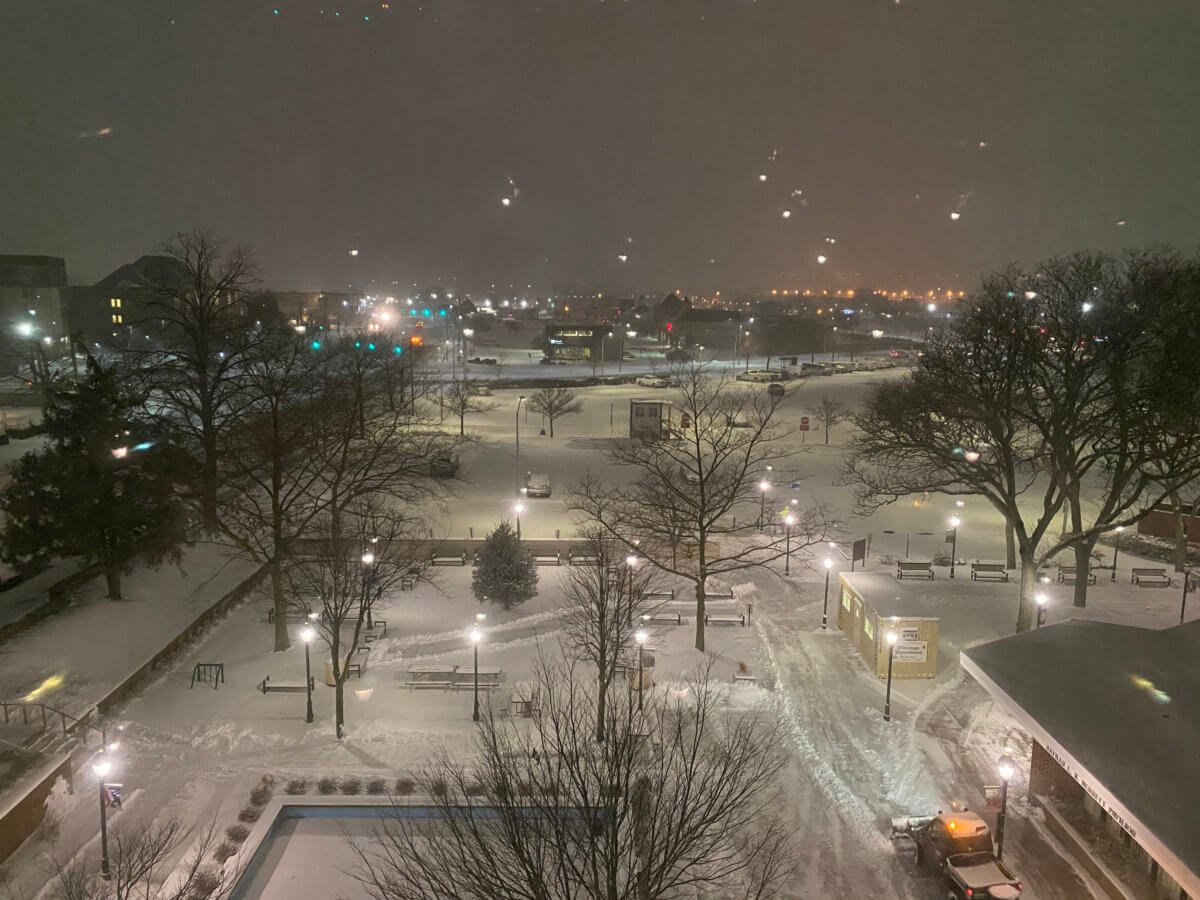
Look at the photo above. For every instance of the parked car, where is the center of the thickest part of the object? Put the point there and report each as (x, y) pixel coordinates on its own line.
(480, 390)
(738, 420)
(444, 466)
(814, 369)
(537, 484)
(654, 381)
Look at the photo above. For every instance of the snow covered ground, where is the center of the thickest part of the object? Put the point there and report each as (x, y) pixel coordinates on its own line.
(197, 751)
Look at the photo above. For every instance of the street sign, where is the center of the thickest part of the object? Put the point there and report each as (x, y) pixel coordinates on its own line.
(685, 420)
(804, 423)
(911, 651)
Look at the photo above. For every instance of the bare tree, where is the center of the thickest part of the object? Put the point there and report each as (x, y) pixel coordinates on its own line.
(1045, 383)
(554, 403)
(199, 306)
(690, 485)
(321, 432)
(605, 598)
(830, 413)
(460, 398)
(681, 797)
(142, 858)
(349, 564)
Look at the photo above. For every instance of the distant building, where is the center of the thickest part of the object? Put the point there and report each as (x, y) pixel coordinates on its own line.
(581, 343)
(31, 304)
(649, 418)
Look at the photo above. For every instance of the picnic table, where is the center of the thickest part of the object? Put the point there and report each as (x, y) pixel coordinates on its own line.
(376, 631)
(914, 568)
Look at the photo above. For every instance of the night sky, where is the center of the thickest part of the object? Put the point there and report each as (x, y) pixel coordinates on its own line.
(636, 128)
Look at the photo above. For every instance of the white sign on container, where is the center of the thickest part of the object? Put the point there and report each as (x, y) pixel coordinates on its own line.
(911, 651)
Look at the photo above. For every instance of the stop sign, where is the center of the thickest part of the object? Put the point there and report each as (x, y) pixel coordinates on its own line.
(685, 421)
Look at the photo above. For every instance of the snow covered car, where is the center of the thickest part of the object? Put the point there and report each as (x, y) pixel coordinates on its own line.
(537, 485)
(444, 466)
(958, 845)
(654, 381)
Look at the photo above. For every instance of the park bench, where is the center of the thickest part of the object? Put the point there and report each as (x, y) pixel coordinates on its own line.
(358, 662)
(1066, 573)
(299, 615)
(656, 597)
(408, 580)
(376, 631)
(985, 571)
(547, 559)
(430, 677)
(449, 559)
(663, 618)
(581, 558)
(470, 685)
(744, 678)
(911, 568)
(725, 619)
(1157, 577)
(268, 686)
(719, 596)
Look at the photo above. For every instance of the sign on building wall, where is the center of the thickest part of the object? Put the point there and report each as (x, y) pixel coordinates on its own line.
(912, 651)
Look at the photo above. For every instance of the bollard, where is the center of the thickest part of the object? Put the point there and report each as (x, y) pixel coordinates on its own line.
(471, 531)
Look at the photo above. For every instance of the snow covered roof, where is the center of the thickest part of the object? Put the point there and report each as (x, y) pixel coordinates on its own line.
(1119, 707)
(912, 597)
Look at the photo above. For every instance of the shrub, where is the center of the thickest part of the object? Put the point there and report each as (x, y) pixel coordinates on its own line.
(941, 559)
(237, 833)
(475, 790)
(297, 786)
(250, 813)
(327, 785)
(260, 795)
(376, 786)
(438, 788)
(205, 883)
(351, 785)
(224, 852)
(405, 786)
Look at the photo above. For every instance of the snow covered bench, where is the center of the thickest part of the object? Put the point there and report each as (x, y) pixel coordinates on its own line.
(1072, 572)
(449, 559)
(268, 686)
(988, 571)
(581, 558)
(725, 619)
(656, 597)
(547, 559)
(912, 568)
(1157, 577)
(358, 662)
(377, 630)
(663, 618)
(719, 596)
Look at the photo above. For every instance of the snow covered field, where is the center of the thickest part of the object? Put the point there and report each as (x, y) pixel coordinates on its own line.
(197, 751)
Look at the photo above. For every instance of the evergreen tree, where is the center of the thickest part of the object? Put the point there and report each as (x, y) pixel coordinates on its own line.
(504, 570)
(103, 489)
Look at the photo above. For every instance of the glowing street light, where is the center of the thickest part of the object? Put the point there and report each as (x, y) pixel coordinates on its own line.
(955, 521)
(306, 635)
(1116, 550)
(825, 607)
(640, 637)
(1006, 767)
(892, 637)
(101, 767)
(518, 508)
(788, 521)
(476, 636)
(1041, 600)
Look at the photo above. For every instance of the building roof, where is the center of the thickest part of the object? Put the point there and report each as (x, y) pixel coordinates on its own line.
(144, 270)
(919, 597)
(1120, 709)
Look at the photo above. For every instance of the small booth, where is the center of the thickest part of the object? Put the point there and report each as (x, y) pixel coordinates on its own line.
(870, 604)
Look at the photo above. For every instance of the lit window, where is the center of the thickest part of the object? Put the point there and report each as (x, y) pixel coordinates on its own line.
(117, 319)
(868, 628)
(115, 302)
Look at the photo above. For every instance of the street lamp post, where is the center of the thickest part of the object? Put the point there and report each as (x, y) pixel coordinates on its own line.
(640, 637)
(476, 636)
(887, 698)
(763, 486)
(368, 560)
(1006, 767)
(306, 635)
(101, 767)
(788, 521)
(517, 456)
(1116, 550)
(954, 523)
(631, 561)
(518, 508)
(825, 607)
(1041, 609)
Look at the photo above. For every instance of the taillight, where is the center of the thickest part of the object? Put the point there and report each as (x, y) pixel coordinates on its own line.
(970, 893)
